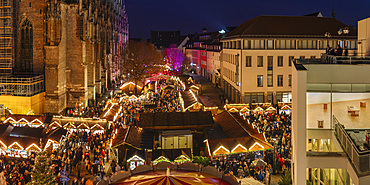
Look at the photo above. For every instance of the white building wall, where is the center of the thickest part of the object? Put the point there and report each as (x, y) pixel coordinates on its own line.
(248, 75)
(364, 36)
(299, 139)
(213, 63)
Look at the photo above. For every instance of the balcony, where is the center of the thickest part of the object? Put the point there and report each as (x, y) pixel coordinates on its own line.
(352, 142)
(332, 59)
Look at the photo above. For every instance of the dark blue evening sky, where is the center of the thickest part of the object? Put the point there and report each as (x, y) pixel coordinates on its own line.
(190, 16)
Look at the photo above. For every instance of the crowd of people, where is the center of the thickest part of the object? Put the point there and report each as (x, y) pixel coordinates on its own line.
(337, 51)
(86, 112)
(277, 130)
(16, 171)
(82, 151)
(164, 100)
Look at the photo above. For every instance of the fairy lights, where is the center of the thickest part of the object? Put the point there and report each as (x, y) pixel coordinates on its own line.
(34, 145)
(256, 143)
(221, 147)
(136, 158)
(16, 143)
(239, 145)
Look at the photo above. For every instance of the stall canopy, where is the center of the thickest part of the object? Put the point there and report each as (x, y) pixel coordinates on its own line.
(271, 109)
(209, 105)
(129, 87)
(285, 107)
(29, 120)
(232, 134)
(158, 77)
(27, 138)
(190, 101)
(237, 107)
(176, 120)
(171, 154)
(78, 123)
(133, 136)
(112, 111)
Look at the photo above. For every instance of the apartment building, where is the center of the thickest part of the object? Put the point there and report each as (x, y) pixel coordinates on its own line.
(203, 50)
(257, 56)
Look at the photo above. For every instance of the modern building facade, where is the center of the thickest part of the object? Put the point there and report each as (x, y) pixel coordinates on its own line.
(330, 120)
(74, 45)
(257, 56)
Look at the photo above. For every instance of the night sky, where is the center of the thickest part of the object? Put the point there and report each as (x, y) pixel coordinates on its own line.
(190, 16)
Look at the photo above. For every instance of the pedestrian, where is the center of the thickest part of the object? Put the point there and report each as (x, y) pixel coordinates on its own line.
(345, 51)
(75, 182)
(79, 168)
(339, 51)
(240, 172)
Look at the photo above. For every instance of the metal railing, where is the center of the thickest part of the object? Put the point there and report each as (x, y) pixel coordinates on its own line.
(359, 159)
(332, 59)
(21, 85)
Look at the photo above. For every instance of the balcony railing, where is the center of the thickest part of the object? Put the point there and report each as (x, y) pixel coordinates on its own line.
(332, 59)
(359, 158)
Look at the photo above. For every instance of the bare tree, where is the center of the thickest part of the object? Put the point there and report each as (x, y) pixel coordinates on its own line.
(141, 59)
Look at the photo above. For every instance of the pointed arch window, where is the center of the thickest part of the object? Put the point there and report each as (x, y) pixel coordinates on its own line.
(26, 46)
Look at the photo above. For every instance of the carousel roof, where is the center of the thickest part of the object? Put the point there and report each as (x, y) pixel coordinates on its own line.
(176, 177)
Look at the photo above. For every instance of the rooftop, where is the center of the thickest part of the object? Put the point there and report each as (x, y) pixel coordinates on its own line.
(308, 26)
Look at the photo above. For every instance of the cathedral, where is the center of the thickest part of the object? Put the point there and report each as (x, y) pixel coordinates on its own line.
(75, 45)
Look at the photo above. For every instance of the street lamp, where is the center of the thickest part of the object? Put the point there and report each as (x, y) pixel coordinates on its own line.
(344, 31)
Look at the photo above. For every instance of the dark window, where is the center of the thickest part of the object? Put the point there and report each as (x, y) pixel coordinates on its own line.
(248, 60)
(270, 61)
(291, 60)
(26, 62)
(280, 61)
(280, 80)
(260, 61)
(290, 80)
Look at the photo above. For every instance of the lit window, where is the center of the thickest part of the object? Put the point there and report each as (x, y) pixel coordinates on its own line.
(260, 81)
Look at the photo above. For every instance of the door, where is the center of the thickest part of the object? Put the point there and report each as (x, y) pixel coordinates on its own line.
(183, 142)
(168, 143)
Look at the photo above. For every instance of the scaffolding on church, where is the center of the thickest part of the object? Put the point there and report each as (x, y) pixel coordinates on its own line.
(6, 37)
(21, 85)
